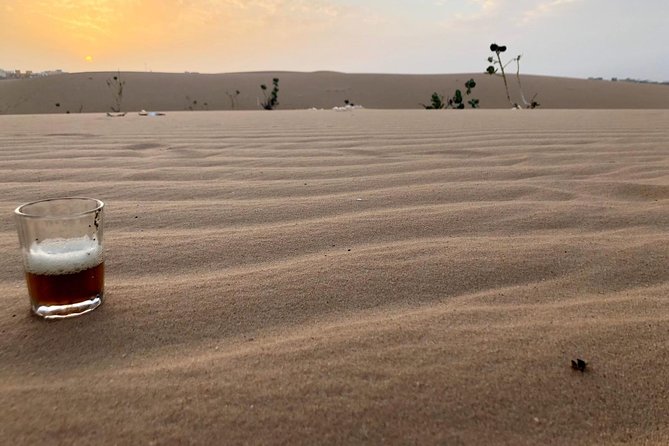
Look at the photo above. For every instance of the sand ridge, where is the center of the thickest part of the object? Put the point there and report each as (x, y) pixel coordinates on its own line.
(88, 92)
(343, 278)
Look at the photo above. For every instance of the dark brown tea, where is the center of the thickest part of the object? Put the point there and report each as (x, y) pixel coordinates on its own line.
(66, 289)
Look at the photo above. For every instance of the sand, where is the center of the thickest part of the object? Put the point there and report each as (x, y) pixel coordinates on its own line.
(88, 92)
(401, 277)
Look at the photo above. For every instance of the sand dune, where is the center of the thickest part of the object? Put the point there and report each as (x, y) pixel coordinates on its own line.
(88, 92)
(403, 277)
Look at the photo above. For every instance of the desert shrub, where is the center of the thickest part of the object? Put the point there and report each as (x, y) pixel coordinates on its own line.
(498, 67)
(457, 101)
(233, 98)
(436, 102)
(116, 85)
(193, 104)
(271, 100)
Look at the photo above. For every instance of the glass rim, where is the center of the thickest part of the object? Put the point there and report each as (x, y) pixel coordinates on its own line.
(20, 213)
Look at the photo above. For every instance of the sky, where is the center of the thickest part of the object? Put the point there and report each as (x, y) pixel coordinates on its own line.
(574, 38)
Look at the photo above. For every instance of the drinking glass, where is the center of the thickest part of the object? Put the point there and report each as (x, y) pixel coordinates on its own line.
(63, 259)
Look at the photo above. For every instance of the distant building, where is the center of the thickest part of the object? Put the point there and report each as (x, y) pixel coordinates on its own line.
(18, 74)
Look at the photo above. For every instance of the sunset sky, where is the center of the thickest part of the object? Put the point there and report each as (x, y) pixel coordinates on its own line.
(578, 38)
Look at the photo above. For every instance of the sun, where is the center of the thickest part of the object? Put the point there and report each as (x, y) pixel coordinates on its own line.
(88, 58)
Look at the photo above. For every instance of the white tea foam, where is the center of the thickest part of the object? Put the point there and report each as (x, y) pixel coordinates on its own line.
(63, 256)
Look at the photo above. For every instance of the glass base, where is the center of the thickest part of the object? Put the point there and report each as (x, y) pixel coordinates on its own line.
(65, 311)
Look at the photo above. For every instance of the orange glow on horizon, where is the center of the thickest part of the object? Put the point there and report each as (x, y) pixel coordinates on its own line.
(107, 27)
(426, 36)
(131, 33)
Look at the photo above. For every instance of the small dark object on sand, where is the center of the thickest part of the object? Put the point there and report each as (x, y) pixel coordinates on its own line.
(579, 364)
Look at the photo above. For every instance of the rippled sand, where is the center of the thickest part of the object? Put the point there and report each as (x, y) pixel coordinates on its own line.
(344, 278)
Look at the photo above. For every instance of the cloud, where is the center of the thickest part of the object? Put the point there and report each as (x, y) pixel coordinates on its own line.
(267, 7)
(543, 9)
(259, 16)
(486, 5)
(517, 12)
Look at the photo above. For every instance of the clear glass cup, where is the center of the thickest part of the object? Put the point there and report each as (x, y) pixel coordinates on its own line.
(63, 259)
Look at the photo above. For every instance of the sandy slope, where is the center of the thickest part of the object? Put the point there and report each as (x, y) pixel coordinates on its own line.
(343, 278)
(88, 92)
